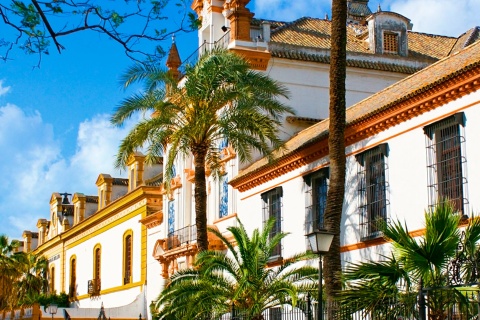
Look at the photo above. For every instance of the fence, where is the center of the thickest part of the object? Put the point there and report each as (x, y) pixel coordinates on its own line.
(449, 303)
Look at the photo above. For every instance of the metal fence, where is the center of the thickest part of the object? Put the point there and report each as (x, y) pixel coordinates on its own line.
(462, 303)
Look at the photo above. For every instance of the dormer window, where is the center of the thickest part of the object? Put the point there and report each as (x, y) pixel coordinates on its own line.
(390, 42)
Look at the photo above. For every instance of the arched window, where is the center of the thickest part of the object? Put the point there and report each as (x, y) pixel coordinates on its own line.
(94, 285)
(52, 279)
(97, 262)
(127, 257)
(72, 289)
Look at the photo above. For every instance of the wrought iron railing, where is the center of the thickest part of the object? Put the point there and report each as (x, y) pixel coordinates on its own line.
(94, 287)
(182, 237)
(205, 47)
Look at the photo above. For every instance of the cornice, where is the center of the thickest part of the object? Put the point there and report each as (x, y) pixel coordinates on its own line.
(258, 60)
(152, 220)
(416, 103)
(151, 194)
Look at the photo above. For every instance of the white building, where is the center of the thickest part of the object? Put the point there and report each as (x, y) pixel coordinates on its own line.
(409, 95)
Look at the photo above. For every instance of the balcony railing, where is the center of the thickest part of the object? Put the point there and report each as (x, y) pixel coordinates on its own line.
(94, 287)
(182, 237)
(205, 47)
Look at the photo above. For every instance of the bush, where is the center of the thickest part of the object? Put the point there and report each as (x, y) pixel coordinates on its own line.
(61, 300)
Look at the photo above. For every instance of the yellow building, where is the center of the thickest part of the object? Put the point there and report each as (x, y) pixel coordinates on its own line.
(96, 245)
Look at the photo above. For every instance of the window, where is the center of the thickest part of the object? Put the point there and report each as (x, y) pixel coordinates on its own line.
(223, 207)
(52, 280)
(372, 190)
(390, 42)
(94, 285)
(97, 262)
(72, 289)
(127, 257)
(446, 162)
(272, 208)
(316, 199)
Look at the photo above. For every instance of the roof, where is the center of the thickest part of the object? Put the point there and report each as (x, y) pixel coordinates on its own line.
(155, 181)
(91, 199)
(378, 107)
(120, 182)
(308, 39)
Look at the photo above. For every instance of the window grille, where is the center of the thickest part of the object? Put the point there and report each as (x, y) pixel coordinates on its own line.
(272, 207)
(372, 190)
(447, 162)
(390, 42)
(316, 199)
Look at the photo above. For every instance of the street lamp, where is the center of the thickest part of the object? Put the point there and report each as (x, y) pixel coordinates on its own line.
(320, 241)
(52, 309)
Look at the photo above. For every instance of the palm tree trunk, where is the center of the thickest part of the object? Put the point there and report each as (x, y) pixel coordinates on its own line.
(200, 196)
(336, 145)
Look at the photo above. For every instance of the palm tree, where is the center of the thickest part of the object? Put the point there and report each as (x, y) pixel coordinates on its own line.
(221, 98)
(238, 278)
(422, 262)
(336, 145)
(33, 280)
(8, 270)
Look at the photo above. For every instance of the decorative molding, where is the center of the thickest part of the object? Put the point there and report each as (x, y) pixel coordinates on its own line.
(436, 95)
(152, 220)
(258, 60)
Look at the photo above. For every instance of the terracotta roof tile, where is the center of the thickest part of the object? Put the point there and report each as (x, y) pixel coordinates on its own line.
(293, 40)
(413, 85)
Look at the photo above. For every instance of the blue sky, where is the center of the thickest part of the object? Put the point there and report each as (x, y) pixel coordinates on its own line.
(55, 134)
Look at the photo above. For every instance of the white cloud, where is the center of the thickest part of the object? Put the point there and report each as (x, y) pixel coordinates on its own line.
(444, 17)
(3, 90)
(32, 166)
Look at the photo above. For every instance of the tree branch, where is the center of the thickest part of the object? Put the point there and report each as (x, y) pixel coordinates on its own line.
(48, 26)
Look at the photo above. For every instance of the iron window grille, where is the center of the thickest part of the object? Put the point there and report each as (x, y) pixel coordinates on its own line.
(373, 190)
(390, 42)
(94, 287)
(272, 208)
(447, 162)
(316, 185)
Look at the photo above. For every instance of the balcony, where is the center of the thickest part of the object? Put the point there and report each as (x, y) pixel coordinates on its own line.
(94, 287)
(205, 47)
(181, 237)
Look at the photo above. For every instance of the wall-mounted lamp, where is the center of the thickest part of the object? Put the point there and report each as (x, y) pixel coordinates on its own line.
(224, 29)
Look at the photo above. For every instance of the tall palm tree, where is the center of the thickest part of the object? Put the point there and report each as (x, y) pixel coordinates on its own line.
(426, 261)
(239, 277)
(336, 144)
(221, 98)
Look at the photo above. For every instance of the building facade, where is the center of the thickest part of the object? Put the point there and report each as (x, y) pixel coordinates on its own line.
(412, 101)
